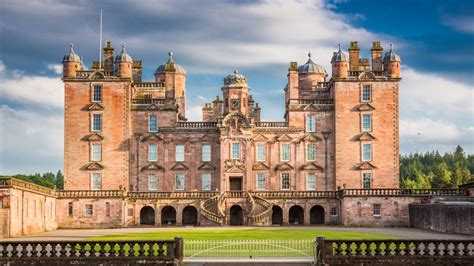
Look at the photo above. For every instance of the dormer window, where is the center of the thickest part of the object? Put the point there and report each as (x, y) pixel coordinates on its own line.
(97, 93)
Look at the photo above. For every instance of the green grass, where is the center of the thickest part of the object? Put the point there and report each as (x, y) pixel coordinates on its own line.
(241, 234)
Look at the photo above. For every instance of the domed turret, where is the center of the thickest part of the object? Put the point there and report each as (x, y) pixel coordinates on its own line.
(235, 80)
(83, 66)
(123, 63)
(71, 63)
(391, 63)
(311, 67)
(170, 66)
(339, 64)
(310, 74)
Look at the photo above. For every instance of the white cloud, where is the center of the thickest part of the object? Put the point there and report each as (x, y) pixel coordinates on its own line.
(425, 129)
(460, 23)
(56, 68)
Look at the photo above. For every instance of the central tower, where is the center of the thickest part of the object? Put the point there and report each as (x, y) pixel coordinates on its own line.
(235, 91)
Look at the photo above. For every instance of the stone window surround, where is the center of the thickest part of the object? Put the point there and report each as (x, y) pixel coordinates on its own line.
(264, 151)
(377, 209)
(148, 115)
(362, 92)
(92, 121)
(257, 187)
(176, 152)
(306, 122)
(333, 211)
(371, 178)
(209, 180)
(155, 181)
(92, 180)
(362, 151)
(88, 210)
(93, 85)
(150, 154)
(210, 152)
(232, 150)
(306, 152)
(281, 181)
(362, 121)
(92, 144)
(307, 175)
(183, 181)
(281, 151)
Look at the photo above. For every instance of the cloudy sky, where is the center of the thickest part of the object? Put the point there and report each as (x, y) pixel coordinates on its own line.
(435, 40)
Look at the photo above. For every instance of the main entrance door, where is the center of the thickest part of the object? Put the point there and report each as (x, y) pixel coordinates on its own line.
(235, 183)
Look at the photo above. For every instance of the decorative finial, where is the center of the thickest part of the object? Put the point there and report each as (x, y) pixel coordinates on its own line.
(170, 56)
(309, 54)
(123, 48)
(339, 46)
(236, 71)
(391, 46)
(71, 48)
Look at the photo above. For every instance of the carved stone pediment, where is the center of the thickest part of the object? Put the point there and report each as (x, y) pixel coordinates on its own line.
(310, 137)
(260, 137)
(236, 120)
(366, 136)
(312, 166)
(93, 137)
(284, 137)
(152, 166)
(95, 107)
(93, 166)
(179, 166)
(284, 166)
(96, 75)
(206, 166)
(365, 107)
(310, 107)
(234, 165)
(260, 166)
(365, 166)
(366, 76)
(152, 136)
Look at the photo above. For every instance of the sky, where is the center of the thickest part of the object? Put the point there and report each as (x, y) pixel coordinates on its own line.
(210, 39)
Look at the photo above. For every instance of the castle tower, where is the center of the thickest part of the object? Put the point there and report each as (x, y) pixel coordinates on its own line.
(108, 57)
(123, 63)
(235, 91)
(71, 63)
(376, 55)
(391, 62)
(174, 77)
(339, 64)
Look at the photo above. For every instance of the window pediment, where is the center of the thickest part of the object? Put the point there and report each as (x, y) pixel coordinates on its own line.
(95, 107)
(93, 137)
(152, 136)
(206, 166)
(153, 107)
(260, 137)
(366, 75)
(284, 137)
(310, 107)
(260, 166)
(284, 166)
(93, 166)
(365, 107)
(312, 166)
(366, 136)
(310, 137)
(234, 165)
(365, 166)
(179, 166)
(153, 166)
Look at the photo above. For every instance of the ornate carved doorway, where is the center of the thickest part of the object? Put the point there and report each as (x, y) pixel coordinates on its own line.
(235, 183)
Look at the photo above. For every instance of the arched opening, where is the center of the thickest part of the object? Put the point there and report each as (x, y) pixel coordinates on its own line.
(168, 215)
(277, 215)
(296, 215)
(147, 216)
(316, 215)
(190, 215)
(236, 216)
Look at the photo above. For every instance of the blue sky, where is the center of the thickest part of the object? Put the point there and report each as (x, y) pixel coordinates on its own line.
(435, 40)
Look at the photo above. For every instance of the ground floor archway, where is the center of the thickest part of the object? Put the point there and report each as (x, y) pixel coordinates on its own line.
(316, 215)
(147, 216)
(168, 215)
(296, 215)
(236, 215)
(277, 215)
(190, 215)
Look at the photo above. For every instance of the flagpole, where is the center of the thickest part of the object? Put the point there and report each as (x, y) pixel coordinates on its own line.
(100, 41)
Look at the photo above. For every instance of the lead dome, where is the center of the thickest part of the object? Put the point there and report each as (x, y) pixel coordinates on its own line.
(71, 56)
(170, 66)
(311, 67)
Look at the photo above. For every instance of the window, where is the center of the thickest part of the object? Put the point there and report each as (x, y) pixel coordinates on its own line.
(311, 152)
(285, 181)
(130, 211)
(96, 122)
(107, 209)
(366, 152)
(180, 153)
(97, 93)
(333, 211)
(152, 182)
(366, 122)
(152, 123)
(367, 180)
(179, 181)
(69, 209)
(152, 153)
(260, 181)
(89, 210)
(366, 93)
(235, 151)
(377, 210)
(96, 181)
(359, 209)
(310, 181)
(96, 152)
(285, 152)
(260, 152)
(206, 152)
(311, 123)
(206, 181)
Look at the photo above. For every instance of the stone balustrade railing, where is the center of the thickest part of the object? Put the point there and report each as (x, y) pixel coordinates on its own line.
(91, 194)
(315, 102)
(148, 101)
(206, 205)
(172, 195)
(394, 251)
(235, 194)
(295, 194)
(257, 218)
(92, 252)
(275, 124)
(149, 85)
(7, 182)
(192, 125)
(402, 192)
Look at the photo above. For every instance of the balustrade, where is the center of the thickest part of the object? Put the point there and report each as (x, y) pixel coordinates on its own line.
(12, 182)
(295, 194)
(315, 102)
(172, 195)
(403, 192)
(91, 194)
(271, 124)
(196, 125)
(148, 101)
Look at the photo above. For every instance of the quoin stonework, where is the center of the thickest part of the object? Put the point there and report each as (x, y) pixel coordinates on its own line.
(132, 158)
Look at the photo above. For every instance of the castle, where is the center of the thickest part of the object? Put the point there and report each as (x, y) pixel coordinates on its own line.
(131, 158)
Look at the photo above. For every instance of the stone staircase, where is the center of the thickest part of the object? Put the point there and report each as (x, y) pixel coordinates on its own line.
(259, 210)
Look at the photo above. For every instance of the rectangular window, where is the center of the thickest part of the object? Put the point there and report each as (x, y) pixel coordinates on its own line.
(152, 153)
(206, 181)
(367, 152)
(366, 122)
(69, 209)
(366, 93)
(333, 211)
(96, 181)
(260, 181)
(89, 210)
(206, 152)
(285, 181)
(130, 211)
(367, 180)
(235, 151)
(311, 123)
(97, 93)
(311, 152)
(311, 182)
(152, 182)
(260, 152)
(285, 152)
(152, 123)
(179, 153)
(107, 209)
(179, 181)
(377, 210)
(96, 152)
(96, 122)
